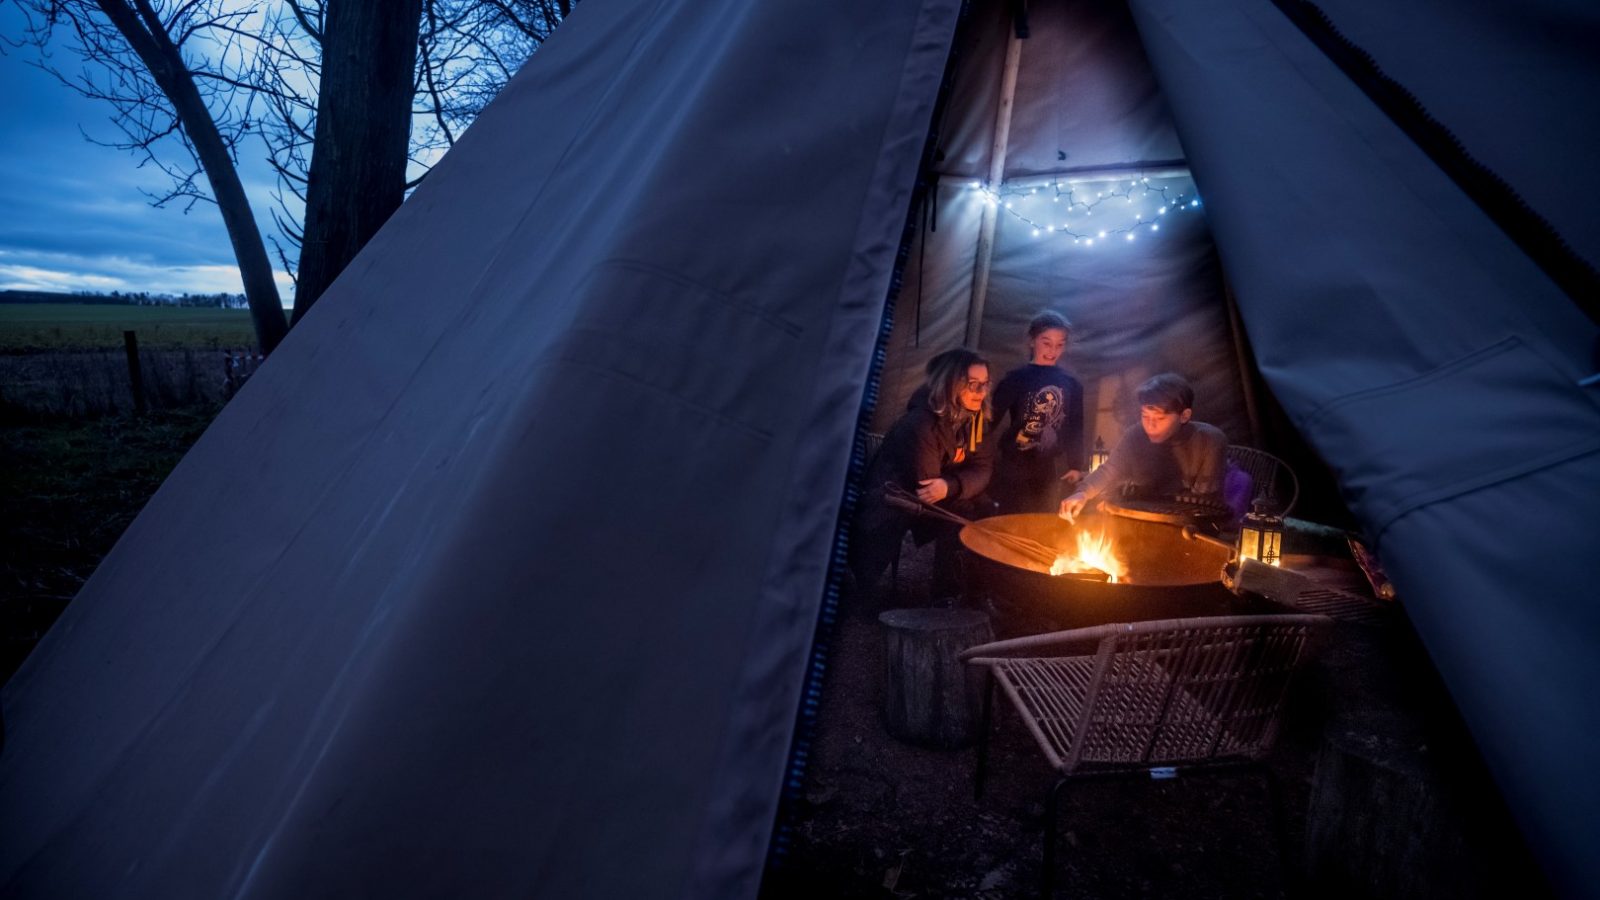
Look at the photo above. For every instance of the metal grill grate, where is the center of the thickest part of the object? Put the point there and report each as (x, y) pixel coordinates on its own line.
(1342, 605)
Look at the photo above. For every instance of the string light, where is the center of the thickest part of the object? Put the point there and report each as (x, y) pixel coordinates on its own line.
(1166, 200)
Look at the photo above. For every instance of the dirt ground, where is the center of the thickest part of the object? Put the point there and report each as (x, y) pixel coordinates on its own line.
(879, 818)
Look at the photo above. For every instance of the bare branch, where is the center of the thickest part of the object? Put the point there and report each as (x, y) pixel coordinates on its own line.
(426, 45)
(283, 257)
(515, 21)
(242, 84)
(313, 31)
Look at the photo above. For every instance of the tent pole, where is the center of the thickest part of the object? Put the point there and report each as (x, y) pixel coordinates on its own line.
(997, 172)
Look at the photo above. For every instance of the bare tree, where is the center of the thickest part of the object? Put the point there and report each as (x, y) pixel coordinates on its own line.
(351, 97)
(173, 72)
(465, 52)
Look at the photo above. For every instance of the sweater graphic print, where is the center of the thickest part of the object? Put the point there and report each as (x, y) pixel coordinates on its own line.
(1041, 418)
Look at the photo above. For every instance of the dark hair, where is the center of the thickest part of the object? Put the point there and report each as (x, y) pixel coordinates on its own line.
(1169, 391)
(947, 375)
(1046, 320)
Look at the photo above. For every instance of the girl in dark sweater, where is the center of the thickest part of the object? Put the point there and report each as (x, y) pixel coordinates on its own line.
(1039, 409)
(938, 451)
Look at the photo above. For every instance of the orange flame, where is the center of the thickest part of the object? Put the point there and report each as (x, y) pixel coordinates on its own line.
(1095, 554)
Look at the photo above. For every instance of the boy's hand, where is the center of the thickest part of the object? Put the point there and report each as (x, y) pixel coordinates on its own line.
(1073, 505)
(932, 490)
(1073, 476)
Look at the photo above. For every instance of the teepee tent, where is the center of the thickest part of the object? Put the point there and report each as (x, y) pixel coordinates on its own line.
(1058, 182)
(515, 551)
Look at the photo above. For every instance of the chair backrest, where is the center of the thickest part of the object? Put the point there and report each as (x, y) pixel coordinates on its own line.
(1269, 474)
(1191, 691)
(1178, 691)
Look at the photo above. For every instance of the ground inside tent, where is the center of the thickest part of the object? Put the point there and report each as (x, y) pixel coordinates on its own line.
(880, 818)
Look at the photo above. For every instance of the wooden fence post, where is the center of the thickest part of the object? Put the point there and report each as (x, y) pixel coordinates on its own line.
(130, 341)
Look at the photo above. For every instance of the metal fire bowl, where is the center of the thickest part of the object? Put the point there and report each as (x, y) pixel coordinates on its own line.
(1169, 576)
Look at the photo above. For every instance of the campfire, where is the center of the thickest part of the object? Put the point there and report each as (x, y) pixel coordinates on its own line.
(1046, 574)
(1095, 554)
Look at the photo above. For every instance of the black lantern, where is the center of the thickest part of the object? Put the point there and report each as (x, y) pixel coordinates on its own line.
(1099, 455)
(1261, 534)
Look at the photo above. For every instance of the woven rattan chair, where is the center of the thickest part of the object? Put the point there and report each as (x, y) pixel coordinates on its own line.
(1269, 475)
(1147, 698)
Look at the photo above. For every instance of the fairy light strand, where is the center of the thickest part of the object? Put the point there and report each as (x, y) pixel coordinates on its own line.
(1151, 206)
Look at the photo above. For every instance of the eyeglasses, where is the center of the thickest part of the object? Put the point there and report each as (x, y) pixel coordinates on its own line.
(977, 387)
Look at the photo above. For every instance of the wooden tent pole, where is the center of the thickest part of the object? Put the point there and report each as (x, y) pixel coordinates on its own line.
(997, 172)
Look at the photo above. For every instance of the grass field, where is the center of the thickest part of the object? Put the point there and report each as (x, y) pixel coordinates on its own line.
(75, 467)
(68, 490)
(44, 327)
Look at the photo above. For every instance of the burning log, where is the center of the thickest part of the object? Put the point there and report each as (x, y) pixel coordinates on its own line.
(1096, 554)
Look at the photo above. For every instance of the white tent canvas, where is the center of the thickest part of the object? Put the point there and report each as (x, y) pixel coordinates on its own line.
(520, 540)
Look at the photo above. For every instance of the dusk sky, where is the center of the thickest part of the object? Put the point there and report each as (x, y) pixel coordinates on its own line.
(74, 217)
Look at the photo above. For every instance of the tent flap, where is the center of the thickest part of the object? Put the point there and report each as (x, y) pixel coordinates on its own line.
(505, 567)
(1429, 361)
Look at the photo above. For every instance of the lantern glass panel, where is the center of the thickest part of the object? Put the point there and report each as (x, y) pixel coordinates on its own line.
(1272, 547)
(1261, 537)
(1099, 455)
(1249, 542)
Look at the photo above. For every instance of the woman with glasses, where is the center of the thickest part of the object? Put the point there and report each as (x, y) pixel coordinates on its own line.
(938, 450)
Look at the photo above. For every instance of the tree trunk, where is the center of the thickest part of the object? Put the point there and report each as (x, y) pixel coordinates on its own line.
(930, 697)
(145, 34)
(358, 161)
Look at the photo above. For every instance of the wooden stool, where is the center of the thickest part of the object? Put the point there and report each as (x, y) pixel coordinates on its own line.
(930, 697)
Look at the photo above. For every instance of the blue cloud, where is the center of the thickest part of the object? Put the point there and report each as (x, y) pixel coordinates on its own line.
(75, 210)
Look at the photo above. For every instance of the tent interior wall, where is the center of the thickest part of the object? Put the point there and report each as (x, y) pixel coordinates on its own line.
(1092, 151)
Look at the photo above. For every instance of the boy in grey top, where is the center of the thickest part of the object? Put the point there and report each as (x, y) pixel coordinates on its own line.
(1165, 456)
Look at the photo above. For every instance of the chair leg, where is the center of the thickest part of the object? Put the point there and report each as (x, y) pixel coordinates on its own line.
(980, 766)
(1052, 810)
